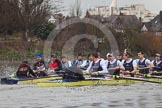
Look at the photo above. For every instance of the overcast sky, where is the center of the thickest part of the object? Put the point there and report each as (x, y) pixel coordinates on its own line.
(153, 5)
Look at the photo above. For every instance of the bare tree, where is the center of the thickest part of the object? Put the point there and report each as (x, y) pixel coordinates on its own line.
(25, 13)
(75, 10)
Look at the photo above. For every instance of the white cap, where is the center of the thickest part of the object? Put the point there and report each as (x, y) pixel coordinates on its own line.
(110, 54)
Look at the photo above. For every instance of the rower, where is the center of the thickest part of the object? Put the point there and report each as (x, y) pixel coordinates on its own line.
(86, 63)
(113, 65)
(99, 56)
(143, 64)
(157, 70)
(120, 57)
(65, 63)
(97, 67)
(80, 62)
(54, 64)
(130, 65)
(25, 71)
(39, 67)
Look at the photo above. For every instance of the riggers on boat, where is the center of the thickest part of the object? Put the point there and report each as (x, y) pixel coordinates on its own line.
(38, 80)
(95, 82)
(29, 80)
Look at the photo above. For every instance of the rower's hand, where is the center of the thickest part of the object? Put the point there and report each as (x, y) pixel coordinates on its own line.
(154, 72)
(86, 72)
(126, 72)
(78, 67)
(95, 73)
(51, 71)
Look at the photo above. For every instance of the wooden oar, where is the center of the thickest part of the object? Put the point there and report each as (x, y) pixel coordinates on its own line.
(144, 68)
(140, 79)
(150, 76)
(144, 75)
(132, 78)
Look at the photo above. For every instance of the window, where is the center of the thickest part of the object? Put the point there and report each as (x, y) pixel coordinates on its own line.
(156, 21)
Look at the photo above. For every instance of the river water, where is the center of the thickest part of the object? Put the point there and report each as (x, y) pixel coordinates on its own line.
(142, 95)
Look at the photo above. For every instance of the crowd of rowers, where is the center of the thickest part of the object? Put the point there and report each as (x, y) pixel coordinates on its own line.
(122, 65)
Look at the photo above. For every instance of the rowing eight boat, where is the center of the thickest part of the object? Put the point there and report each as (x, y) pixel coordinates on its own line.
(94, 82)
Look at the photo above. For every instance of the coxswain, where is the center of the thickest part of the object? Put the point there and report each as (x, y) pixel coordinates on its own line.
(25, 71)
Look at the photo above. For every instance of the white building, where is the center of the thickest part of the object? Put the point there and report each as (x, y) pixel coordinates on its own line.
(105, 11)
(138, 10)
(100, 10)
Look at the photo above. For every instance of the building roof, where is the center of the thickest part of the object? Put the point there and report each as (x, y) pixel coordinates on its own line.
(126, 21)
(155, 25)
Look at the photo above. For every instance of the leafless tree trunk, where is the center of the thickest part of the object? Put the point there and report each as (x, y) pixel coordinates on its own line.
(25, 14)
(75, 10)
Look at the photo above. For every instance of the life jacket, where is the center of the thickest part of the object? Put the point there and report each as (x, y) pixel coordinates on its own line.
(23, 70)
(128, 66)
(39, 65)
(96, 67)
(53, 65)
(158, 67)
(87, 64)
(77, 62)
(23, 67)
(73, 74)
(65, 65)
(142, 65)
(113, 65)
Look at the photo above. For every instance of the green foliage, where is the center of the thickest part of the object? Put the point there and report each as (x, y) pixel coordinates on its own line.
(10, 55)
(44, 30)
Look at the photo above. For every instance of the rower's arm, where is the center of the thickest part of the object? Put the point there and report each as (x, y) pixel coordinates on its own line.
(134, 66)
(89, 67)
(151, 64)
(122, 67)
(104, 67)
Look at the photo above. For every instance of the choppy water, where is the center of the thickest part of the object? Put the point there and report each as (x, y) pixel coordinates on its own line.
(144, 95)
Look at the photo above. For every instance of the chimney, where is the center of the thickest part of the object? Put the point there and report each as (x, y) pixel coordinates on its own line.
(161, 15)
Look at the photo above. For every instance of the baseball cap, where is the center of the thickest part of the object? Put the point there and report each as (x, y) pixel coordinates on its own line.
(158, 55)
(110, 54)
(54, 55)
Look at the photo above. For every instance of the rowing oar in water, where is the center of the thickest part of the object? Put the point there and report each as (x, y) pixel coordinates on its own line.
(133, 78)
(150, 76)
(143, 75)
(140, 79)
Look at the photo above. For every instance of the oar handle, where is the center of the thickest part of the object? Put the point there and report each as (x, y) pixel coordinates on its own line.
(145, 68)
